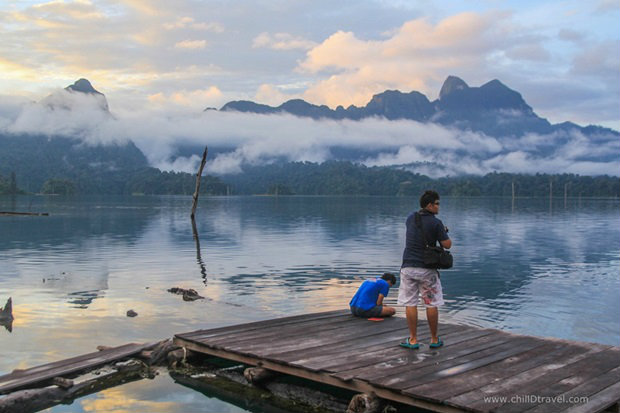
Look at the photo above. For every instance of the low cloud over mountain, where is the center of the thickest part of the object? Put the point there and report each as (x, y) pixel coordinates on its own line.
(468, 130)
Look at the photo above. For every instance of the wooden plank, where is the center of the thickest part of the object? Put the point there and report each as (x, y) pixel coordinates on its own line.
(594, 365)
(314, 339)
(285, 331)
(367, 352)
(425, 361)
(478, 384)
(507, 386)
(583, 391)
(375, 337)
(420, 384)
(67, 367)
(449, 359)
(398, 361)
(356, 344)
(200, 334)
(599, 401)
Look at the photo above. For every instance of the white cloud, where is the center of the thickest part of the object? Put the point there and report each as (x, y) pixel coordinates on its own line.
(418, 56)
(190, 23)
(281, 41)
(271, 95)
(258, 139)
(191, 44)
(189, 99)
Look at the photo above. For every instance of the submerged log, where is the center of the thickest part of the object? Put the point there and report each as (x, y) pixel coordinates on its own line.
(32, 400)
(62, 382)
(160, 352)
(36, 214)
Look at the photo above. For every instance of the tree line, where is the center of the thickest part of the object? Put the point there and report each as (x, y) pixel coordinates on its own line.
(328, 178)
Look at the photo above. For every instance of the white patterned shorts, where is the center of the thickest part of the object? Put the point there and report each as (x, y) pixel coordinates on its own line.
(424, 282)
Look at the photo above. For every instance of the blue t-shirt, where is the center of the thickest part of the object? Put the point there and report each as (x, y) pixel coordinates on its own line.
(413, 255)
(368, 293)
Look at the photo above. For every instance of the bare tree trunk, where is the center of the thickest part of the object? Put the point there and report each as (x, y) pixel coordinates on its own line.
(203, 270)
(198, 175)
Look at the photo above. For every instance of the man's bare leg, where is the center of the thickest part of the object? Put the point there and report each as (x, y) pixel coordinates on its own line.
(388, 311)
(412, 323)
(432, 315)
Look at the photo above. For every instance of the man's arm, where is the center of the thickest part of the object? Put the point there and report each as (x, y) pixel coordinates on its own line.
(380, 299)
(447, 243)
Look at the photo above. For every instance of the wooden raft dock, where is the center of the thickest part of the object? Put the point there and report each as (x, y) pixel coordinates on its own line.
(43, 375)
(479, 370)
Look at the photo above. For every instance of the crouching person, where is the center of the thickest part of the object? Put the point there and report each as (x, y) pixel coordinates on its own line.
(368, 300)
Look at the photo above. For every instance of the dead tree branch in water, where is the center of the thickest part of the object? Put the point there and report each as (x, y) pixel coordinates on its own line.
(203, 270)
(202, 166)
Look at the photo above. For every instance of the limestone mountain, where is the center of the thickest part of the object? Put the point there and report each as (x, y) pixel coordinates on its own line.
(493, 109)
(79, 95)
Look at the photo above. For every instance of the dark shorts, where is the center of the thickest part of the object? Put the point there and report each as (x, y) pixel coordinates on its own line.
(373, 312)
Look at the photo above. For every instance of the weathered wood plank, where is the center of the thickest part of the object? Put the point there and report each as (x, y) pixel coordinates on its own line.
(372, 338)
(405, 377)
(63, 368)
(564, 378)
(478, 384)
(314, 338)
(286, 331)
(583, 391)
(366, 352)
(421, 384)
(403, 360)
(599, 401)
(356, 342)
(205, 333)
(509, 384)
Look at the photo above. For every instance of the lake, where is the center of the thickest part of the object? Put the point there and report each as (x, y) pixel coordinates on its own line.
(529, 266)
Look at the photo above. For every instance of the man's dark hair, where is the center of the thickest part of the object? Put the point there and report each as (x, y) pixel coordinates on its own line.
(388, 276)
(428, 197)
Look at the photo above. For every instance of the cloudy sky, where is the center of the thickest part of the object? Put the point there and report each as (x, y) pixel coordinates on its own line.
(178, 57)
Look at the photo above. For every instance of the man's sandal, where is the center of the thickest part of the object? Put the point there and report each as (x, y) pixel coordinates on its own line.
(408, 345)
(438, 344)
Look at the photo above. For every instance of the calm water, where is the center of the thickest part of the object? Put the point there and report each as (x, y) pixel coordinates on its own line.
(530, 267)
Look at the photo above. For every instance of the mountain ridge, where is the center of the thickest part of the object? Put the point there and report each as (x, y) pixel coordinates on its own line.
(492, 108)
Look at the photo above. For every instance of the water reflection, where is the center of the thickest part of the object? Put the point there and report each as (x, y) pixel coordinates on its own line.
(73, 275)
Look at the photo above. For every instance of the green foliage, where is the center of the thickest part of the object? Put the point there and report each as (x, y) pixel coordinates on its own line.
(279, 189)
(152, 181)
(328, 178)
(58, 187)
(88, 169)
(9, 186)
(346, 178)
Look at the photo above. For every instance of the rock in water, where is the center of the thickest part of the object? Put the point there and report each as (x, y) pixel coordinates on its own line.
(131, 313)
(188, 295)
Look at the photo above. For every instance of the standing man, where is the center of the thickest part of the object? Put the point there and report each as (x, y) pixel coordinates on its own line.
(368, 300)
(415, 279)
